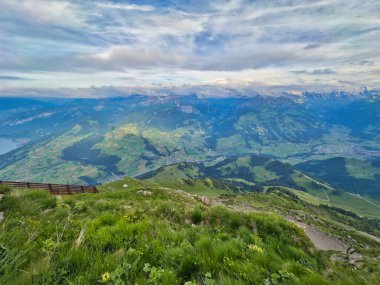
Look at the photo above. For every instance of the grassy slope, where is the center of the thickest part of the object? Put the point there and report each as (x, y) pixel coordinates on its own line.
(349, 174)
(146, 133)
(163, 238)
(191, 176)
(44, 163)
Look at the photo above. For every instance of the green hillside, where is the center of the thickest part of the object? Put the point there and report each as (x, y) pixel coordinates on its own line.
(93, 141)
(252, 173)
(149, 234)
(349, 174)
(248, 172)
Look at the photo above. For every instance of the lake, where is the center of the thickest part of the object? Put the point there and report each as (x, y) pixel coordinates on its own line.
(6, 145)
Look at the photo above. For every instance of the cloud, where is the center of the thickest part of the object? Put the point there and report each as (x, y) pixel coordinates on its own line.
(325, 71)
(189, 42)
(52, 12)
(312, 46)
(367, 62)
(131, 57)
(12, 78)
(123, 6)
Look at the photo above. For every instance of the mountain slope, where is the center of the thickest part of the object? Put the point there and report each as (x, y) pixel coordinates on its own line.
(349, 174)
(147, 234)
(252, 173)
(131, 135)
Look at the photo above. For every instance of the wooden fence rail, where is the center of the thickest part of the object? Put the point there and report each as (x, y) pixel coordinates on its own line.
(56, 189)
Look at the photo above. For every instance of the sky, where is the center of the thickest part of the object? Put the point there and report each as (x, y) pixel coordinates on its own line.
(79, 43)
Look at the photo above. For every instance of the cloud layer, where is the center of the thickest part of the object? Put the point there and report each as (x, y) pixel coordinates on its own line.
(139, 43)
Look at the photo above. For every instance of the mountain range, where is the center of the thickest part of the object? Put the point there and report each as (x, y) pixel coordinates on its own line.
(232, 190)
(333, 138)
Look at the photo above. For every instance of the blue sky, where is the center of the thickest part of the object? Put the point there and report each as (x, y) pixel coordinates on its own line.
(79, 43)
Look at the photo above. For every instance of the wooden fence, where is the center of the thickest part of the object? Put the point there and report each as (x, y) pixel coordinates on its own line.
(56, 189)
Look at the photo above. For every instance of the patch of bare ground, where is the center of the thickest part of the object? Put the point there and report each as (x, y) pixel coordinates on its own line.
(320, 239)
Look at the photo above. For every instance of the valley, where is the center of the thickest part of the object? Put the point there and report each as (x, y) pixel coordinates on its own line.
(7, 145)
(324, 157)
(173, 142)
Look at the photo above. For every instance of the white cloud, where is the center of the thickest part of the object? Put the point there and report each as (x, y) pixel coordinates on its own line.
(123, 6)
(277, 42)
(132, 57)
(54, 12)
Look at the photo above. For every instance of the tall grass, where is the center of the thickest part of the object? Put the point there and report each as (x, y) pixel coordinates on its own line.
(127, 238)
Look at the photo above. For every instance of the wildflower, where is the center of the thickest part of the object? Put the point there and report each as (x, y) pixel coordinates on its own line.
(106, 277)
(255, 248)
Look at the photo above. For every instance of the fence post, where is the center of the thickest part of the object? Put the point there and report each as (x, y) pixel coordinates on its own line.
(82, 188)
(68, 189)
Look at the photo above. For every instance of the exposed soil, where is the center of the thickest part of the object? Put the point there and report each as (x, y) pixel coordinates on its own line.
(320, 239)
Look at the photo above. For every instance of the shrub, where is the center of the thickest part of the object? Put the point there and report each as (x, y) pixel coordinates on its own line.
(10, 259)
(5, 189)
(196, 216)
(189, 182)
(337, 192)
(44, 198)
(169, 212)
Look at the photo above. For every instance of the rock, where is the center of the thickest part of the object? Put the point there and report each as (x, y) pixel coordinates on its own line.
(145, 193)
(205, 200)
(351, 250)
(337, 258)
(355, 259)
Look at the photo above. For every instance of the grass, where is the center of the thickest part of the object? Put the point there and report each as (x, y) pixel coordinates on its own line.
(192, 177)
(203, 187)
(340, 199)
(304, 207)
(44, 163)
(362, 169)
(144, 234)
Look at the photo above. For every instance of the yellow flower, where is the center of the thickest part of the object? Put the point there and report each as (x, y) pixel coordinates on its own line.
(255, 248)
(106, 277)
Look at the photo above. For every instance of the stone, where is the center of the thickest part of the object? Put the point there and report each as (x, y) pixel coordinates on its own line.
(337, 258)
(205, 200)
(351, 250)
(145, 193)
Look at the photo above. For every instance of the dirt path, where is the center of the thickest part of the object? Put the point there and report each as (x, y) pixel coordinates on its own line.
(316, 181)
(321, 240)
(328, 199)
(360, 197)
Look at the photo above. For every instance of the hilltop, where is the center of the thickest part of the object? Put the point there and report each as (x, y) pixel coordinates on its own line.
(254, 173)
(140, 232)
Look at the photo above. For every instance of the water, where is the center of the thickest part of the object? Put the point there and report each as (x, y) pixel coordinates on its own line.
(6, 145)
